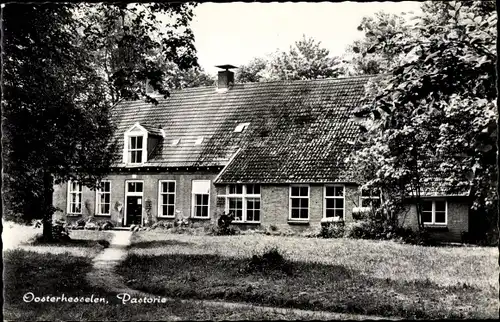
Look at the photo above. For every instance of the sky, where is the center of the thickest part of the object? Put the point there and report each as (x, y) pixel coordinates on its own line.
(234, 33)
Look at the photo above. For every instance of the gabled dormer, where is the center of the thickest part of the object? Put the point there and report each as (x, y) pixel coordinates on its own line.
(139, 142)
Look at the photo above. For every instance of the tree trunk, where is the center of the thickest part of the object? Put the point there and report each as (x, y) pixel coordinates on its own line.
(48, 208)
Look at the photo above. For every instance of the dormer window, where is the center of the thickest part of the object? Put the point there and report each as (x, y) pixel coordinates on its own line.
(135, 149)
(135, 145)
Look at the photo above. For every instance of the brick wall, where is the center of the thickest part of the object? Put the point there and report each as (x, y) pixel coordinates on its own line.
(275, 206)
(458, 220)
(150, 191)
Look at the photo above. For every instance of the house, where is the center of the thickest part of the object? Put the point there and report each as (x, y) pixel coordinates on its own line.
(273, 153)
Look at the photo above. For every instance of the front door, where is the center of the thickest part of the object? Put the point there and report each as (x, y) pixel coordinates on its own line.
(133, 202)
(134, 210)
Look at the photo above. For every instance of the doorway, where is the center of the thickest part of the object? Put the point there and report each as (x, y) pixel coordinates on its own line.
(133, 203)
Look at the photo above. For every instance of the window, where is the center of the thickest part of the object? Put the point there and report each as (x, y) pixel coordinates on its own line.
(201, 198)
(103, 199)
(370, 198)
(74, 198)
(434, 212)
(299, 202)
(135, 149)
(334, 201)
(166, 198)
(134, 187)
(244, 202)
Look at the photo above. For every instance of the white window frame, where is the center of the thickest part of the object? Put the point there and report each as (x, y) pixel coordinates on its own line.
(142, 132)
(325, 197)
(68, 205)
(244, 196)
(433, 214)
(160, 193)
(290, 197)
(361, 197)
(193, 199)
(98, 194)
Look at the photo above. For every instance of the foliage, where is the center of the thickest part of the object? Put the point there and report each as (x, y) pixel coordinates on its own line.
(129, 39)
(381, 229)
(270, 261)
(64, 67)
(60, 231)
(55, 114)
(224, 225)
(306, 59)
(332, 230)
(363, 57)
(252, 72)
(434, 115)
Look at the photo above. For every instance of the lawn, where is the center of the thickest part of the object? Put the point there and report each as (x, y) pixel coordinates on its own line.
(339, 275)
(60, 268)
(55, 274)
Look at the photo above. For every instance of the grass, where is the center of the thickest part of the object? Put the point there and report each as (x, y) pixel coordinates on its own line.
(54, 274)
(445, 266)
(340, 275)
(83, 243)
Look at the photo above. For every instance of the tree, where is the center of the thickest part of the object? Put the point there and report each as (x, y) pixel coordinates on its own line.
(61, 76)
(363, 57)
(135, 43)
(434, 115)
(306, 59)
(252, 72)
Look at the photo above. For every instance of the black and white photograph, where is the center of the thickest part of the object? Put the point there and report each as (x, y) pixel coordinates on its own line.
(226, 161)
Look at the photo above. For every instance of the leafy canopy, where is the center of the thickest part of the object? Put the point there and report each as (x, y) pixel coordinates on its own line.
(434, 115)
(306, 59)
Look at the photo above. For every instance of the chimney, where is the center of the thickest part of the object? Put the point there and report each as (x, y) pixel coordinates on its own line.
(225, 79)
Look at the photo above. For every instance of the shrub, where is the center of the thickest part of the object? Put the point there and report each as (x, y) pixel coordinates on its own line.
(270, 261)
(80, 222)
(60, 231)
(105, 225)
(223, 227)
(332, 230)
(379, 229)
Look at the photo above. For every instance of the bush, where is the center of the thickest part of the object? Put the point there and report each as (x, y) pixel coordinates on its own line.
(332, 230)
(271, 261)
(379, 229)
(223, 227)
(162, 225)
(60, 231)
(105, 225)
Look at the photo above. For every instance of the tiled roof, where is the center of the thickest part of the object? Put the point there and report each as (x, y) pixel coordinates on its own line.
(153, 130)
(299, 130)
(439, 187)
